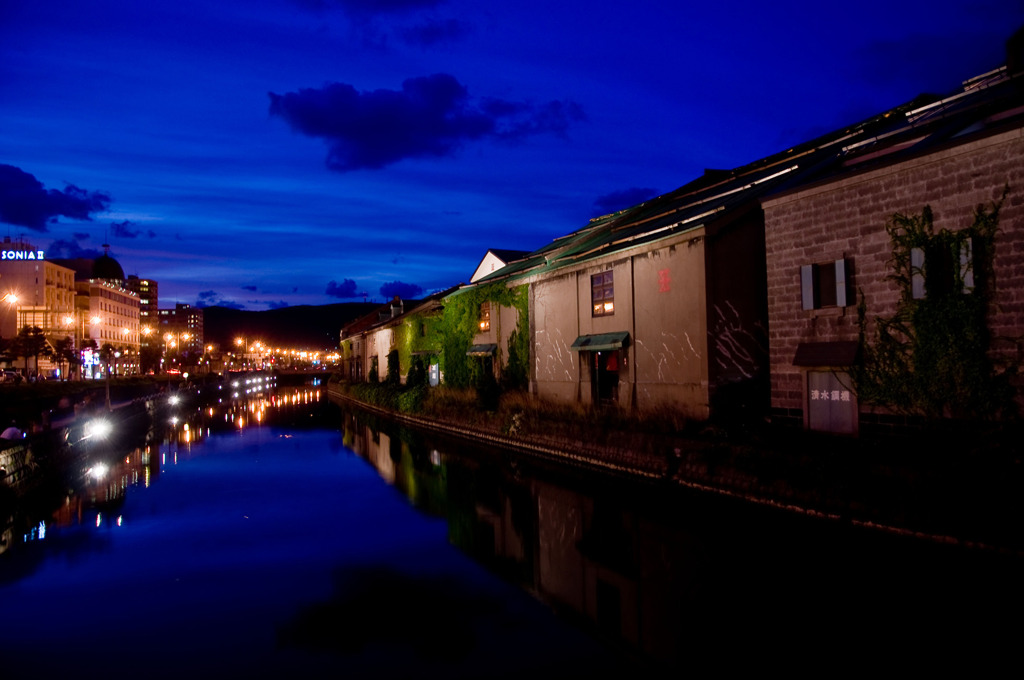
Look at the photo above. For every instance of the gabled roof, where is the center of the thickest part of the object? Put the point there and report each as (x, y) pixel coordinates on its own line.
(718, 196)
(378, 318)
(506, 255)
(503, 256)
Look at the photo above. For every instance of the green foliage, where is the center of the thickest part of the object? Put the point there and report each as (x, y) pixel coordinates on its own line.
(931, 358)
(458, 325)
(417, 374)
(394, 373)
(487, 392)
(30, 343)
(410, 399)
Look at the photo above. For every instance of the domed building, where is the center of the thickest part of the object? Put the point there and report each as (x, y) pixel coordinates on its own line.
(107, 310)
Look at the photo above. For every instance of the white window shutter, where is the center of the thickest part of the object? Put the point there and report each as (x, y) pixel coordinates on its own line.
(967, 265)
(841, 279)
(917, 273)
(807, 285)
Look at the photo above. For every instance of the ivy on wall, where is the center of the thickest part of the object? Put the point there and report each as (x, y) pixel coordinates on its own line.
(459, 324)
(931, 358)
(448, 334)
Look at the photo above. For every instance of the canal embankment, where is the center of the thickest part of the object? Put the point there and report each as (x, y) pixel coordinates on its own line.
(950, 486)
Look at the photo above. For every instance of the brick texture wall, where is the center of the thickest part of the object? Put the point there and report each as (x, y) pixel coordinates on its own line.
(846, 217)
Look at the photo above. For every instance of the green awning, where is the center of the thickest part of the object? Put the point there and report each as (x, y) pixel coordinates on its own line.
(482, 350)
(601, 342)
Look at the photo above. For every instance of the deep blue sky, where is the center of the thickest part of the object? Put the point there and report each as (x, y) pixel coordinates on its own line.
(283, 152)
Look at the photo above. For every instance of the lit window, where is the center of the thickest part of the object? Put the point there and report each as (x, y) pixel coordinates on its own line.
(485, 316)
(602, 294)
(825, 285)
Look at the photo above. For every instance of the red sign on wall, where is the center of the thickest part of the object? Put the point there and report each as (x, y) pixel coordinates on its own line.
(664, 281)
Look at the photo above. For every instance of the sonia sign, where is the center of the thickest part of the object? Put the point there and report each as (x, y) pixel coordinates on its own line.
(21, 255)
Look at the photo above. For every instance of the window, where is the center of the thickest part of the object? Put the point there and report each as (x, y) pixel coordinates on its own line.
(825, 285)
(936, 272)
(485, 317)
(602, 294)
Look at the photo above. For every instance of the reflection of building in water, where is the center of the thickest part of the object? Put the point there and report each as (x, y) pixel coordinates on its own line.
(618, 567)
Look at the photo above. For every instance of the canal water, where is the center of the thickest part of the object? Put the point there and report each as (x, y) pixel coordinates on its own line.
(276, 534)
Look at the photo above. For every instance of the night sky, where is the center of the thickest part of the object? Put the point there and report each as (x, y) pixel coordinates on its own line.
(268, 153)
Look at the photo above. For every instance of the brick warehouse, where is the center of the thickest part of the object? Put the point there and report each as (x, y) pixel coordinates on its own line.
(826, 243)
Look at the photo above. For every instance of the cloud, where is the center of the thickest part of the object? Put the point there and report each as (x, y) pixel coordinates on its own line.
(24, 201)
(280, 304)
(249, 288)
(210, 298)
(432, 33)
(431, 116)
(126, 230)
(402, 290)
(346, 289)
(80, 235)
(625, 198)
(365, 8)
(62, 249)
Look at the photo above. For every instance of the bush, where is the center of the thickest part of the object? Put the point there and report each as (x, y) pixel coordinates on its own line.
(411, 399)
(417, 374)
(487, 392)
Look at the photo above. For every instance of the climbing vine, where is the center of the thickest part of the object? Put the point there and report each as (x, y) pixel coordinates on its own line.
(458, 324)
(931, 357)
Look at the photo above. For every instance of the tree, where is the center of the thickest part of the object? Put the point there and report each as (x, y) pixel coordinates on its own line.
(31, 342)
(64, 352)
(394, 374)
(932, 357)
(149, 358)
(107, 352)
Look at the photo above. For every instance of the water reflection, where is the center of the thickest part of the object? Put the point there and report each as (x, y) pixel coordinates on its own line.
(82, 474)
(671, 574)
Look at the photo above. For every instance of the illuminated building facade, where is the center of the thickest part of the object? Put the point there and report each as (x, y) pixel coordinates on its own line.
(35, 291)
(181, 329)
(147, 290)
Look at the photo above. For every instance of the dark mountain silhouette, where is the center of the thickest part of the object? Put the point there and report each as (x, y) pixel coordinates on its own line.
(305, 326)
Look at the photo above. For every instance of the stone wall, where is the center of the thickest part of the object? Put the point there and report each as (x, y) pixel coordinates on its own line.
(846, 218)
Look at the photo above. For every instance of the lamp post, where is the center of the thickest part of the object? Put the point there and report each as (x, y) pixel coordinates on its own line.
(174, 340)
(68, 322)
(12, 300)
(95, 323)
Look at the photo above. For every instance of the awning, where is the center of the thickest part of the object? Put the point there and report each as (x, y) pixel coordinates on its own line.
(601, 342)
(840, 353)
(482, 350)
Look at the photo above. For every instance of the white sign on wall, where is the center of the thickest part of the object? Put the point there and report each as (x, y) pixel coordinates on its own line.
(21, 255)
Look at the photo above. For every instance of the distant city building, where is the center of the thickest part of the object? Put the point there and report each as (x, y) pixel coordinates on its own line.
(181, 329)
(80, 299)
(111, 317)
(35, 291)
(147, 290)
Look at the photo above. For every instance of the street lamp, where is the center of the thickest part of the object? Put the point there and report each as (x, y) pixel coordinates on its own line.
(12, 300)
(174, 340)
